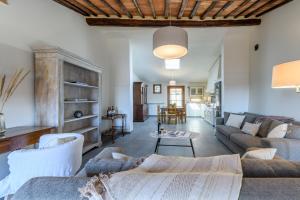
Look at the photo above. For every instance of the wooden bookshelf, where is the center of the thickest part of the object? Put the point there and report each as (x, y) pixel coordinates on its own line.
(81, 101)
(80, 85)
(81, 118)
(60, 79)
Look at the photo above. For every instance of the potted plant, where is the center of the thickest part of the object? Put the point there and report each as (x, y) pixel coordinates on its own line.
(7, 90)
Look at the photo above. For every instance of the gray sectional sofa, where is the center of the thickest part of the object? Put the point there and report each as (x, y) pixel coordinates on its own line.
(274, 179)
(238, 142)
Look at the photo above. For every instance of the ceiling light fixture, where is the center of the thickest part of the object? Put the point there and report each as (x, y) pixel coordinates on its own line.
(170, 42)
(172, 82)
(172, 64)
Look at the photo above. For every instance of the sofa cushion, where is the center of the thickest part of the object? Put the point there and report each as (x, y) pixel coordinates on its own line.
(245, 141)
(274, 124)
(281, 118)
(278, 132)
(51, 188)
(270, 168)
(227, 114)
(260, 153)
(270, 188)
(228, 130)
(264, 127)
(235, 120)
(250, 118)
(250, 128)
(293, 132)
(95, 167)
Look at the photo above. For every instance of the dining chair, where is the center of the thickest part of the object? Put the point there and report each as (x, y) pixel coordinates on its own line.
(159, 114)
(182, 115)
(171, 114)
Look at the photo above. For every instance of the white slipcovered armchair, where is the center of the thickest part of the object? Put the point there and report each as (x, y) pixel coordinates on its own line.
(59, 160)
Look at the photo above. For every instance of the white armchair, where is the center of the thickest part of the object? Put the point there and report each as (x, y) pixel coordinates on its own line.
(61, 160)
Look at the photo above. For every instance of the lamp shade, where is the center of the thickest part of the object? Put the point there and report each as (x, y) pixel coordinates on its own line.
(170, 42)
(286, 75)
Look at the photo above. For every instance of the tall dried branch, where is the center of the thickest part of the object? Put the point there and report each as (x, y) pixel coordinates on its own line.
(2, 81)
(13, 84)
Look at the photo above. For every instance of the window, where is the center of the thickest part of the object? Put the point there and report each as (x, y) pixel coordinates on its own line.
(176, 96)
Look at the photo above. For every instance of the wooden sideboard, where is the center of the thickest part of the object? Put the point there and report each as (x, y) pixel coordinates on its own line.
(20, 137)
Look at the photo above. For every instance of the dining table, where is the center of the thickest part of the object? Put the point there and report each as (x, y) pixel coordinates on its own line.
(180, 113)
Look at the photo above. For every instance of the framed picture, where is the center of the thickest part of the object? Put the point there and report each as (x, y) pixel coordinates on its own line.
(156, 88)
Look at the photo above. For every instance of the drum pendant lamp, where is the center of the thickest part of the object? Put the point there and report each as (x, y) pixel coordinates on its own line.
(170, 42)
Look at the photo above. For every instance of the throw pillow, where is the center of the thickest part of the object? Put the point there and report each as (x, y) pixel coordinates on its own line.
(235, 120)
(58, 141)
(251, 129)
(263, 154)
(124, 157)
(264, 127)
(278, 131)
(293, 132)
(95, 167)
(120, 156)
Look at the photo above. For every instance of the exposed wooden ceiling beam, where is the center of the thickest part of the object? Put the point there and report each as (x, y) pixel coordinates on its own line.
(138, 8)
(247, 9)
(225, 6)
(195, 8)
(111, 8)
(182, 7)
(211, 6)
(237, 8)
(82, 7)
(90, 4)
(258, 9)
(152, 8)
(166, 11)
(71, 6)
(270, 9)
(123, 8)
(160, 23)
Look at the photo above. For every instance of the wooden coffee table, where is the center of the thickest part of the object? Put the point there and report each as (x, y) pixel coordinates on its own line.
(184, 136)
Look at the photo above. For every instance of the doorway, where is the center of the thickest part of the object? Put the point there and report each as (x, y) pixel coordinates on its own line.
(176, 95)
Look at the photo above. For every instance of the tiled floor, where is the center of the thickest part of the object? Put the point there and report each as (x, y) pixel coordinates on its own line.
(140, 143)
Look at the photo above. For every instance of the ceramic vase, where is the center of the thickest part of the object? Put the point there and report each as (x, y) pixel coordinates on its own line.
(2, 124)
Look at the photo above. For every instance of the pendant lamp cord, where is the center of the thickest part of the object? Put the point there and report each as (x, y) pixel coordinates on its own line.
(170, 14)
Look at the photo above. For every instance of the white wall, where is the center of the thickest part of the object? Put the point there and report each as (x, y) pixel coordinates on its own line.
(19, 110)
(26, 24)
(235, 70)
(279, 40)
(121, 77)
(30, 23)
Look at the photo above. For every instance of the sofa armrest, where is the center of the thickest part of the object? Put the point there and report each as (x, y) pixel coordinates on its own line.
(51, 188)
(288, 149)
(219, 121)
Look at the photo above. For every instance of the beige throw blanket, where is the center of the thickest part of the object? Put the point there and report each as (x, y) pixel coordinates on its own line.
(172, 178)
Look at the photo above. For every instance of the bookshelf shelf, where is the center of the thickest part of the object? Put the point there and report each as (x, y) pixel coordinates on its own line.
(63, 78)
